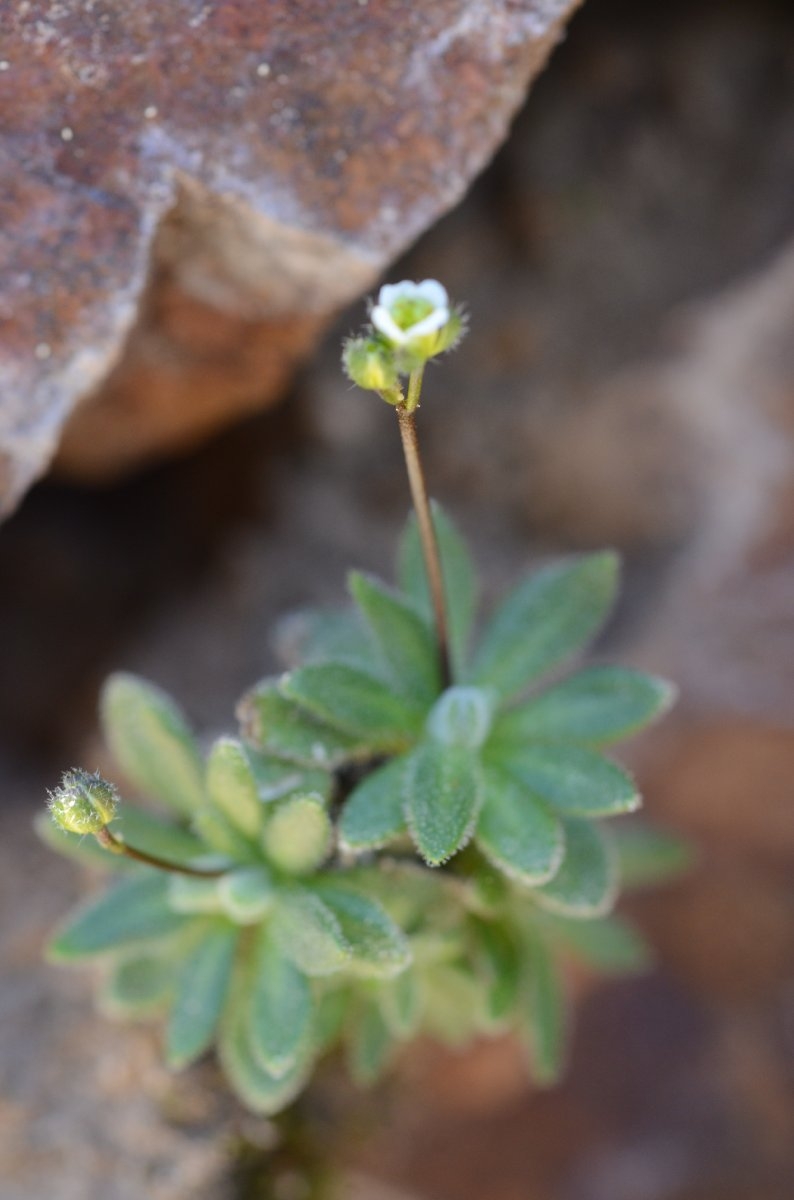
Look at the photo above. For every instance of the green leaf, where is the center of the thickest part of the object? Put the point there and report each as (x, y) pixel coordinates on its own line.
(154, 835)
(221, 836)
(517, 832)
(453, 1003)
(297, 837)
(138, 986)
(649, 856)
(501, 965)
(461, 717)
(545, 1014)
(403, 638)
(549, 617)
(191, 894)
(574, 781)
(443, 790)
(82, 848)
(247, 894)
(377, 947)
(330, 1012)
(460, 580)
(373, 814)
(201, 993)
(259, 1089)
(232, 788)
(134, 911)
(594, 707)
(370, 1045)
(286, 731)
(400, 1004)
(277, 780)
(309, 933)
(324, 635)
(151, 742)
(608, 944)
(586, 883)
(280, 1008)
(355, 703)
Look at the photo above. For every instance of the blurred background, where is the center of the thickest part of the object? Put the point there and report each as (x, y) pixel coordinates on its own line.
(627, 261)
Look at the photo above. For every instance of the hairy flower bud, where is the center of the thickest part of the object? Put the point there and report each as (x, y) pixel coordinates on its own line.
(370, 365)
(83, 802)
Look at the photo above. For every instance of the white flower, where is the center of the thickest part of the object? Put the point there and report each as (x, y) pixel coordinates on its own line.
(408, 312)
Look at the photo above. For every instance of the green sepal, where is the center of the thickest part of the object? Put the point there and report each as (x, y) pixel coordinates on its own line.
(517, 832)
(152, 743)
(609, 945)
(595, 707)
(308, 933)
(247, 894)
(138, 985)
(232, 788)
(370, 1044)
(544, 1013)
(648, 856)
(373, 814)
(136, 910)
(459, 576)
(259, 1090)
(574, 781)
(403, 639)
(355, 703)
(281, 1011)
(286, 731)
(551, 616)
(586, 884)
(376, 945)
(443, 791)
(202, 986)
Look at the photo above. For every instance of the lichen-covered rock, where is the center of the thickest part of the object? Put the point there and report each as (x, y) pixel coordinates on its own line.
(264, 160)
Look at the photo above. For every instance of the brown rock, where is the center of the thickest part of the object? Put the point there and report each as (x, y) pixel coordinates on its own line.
(266, 160)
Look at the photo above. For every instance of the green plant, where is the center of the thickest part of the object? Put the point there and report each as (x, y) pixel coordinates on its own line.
(408, 834)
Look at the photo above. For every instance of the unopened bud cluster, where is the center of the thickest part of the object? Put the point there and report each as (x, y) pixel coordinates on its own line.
(83, 802)
(411, 323)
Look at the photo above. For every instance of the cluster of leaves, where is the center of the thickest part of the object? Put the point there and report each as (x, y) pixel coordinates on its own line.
(354, 773)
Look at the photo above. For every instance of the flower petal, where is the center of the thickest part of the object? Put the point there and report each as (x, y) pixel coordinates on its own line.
(429, 324)
(385, 323)
(434, 292)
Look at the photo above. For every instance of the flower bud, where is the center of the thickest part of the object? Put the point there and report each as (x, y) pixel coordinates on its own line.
(370, 365)
(417, 321)
(83, 802)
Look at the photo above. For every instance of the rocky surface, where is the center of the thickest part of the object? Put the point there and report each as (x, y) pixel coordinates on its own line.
(627, 379)
(189, 192)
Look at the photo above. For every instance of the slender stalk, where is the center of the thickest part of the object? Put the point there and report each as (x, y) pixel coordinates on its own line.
(117, 846)
(427, 533)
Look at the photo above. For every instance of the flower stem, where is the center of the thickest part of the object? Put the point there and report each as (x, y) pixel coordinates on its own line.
(117, 846)
(427, 533)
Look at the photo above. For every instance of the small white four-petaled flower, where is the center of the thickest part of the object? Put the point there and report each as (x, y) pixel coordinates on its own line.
(407, 312)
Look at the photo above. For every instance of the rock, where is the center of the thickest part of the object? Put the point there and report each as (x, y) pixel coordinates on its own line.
(190, 192)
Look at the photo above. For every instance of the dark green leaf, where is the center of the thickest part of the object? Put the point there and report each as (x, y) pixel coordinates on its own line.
(545, 1014)
(403, 638)
(649, 856)
(376, 945)
(284, 730)
(134, 911)
(517, 832)
(574, 781)
(309, 933)
(586, 883)
(281, 1010)
(201, 993)
(324, 635)
(355, 703)
(443, 789)
(550, 616)
(373, 814)
(460, 581)
(500, 963)
(138, 985)
(151, 742)
(594, 707)
(232, 788)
